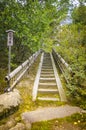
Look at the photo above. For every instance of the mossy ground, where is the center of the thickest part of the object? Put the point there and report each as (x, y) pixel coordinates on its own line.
(2, 81)
(74, 122)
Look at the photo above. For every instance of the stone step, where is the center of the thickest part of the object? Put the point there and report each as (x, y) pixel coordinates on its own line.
(46, 57)
(47, 90)
(47, 69)
(47, 79)
(47, 64)
(47, 76)
(47, 72)
(48, 99)
(47, 61)
(47, 84)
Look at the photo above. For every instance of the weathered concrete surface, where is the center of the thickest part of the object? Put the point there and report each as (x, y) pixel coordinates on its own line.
(9, 101)
(50, 113)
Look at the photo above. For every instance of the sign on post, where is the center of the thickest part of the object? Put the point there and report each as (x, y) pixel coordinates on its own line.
(9, 44)
(10, 37)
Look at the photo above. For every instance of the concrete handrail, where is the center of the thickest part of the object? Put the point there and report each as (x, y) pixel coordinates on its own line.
(63, 65)
(20, 70)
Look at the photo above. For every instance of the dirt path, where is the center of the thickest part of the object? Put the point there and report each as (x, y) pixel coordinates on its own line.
(49, 113)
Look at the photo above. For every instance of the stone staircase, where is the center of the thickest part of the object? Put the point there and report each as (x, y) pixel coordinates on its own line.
(47, 81)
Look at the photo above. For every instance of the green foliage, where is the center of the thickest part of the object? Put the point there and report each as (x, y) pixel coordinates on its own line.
(78, 15)
(2, 81)
(33, 25)
(76, 121)
(42, 126)
(79, 18)
(72, 40)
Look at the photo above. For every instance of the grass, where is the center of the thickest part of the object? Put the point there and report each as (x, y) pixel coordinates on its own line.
(76, 122)
(3, 83)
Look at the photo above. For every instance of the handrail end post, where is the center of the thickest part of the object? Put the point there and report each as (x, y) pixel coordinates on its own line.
(8, 88)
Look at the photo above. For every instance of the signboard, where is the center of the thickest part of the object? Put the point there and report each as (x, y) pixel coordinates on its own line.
(10, 39)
